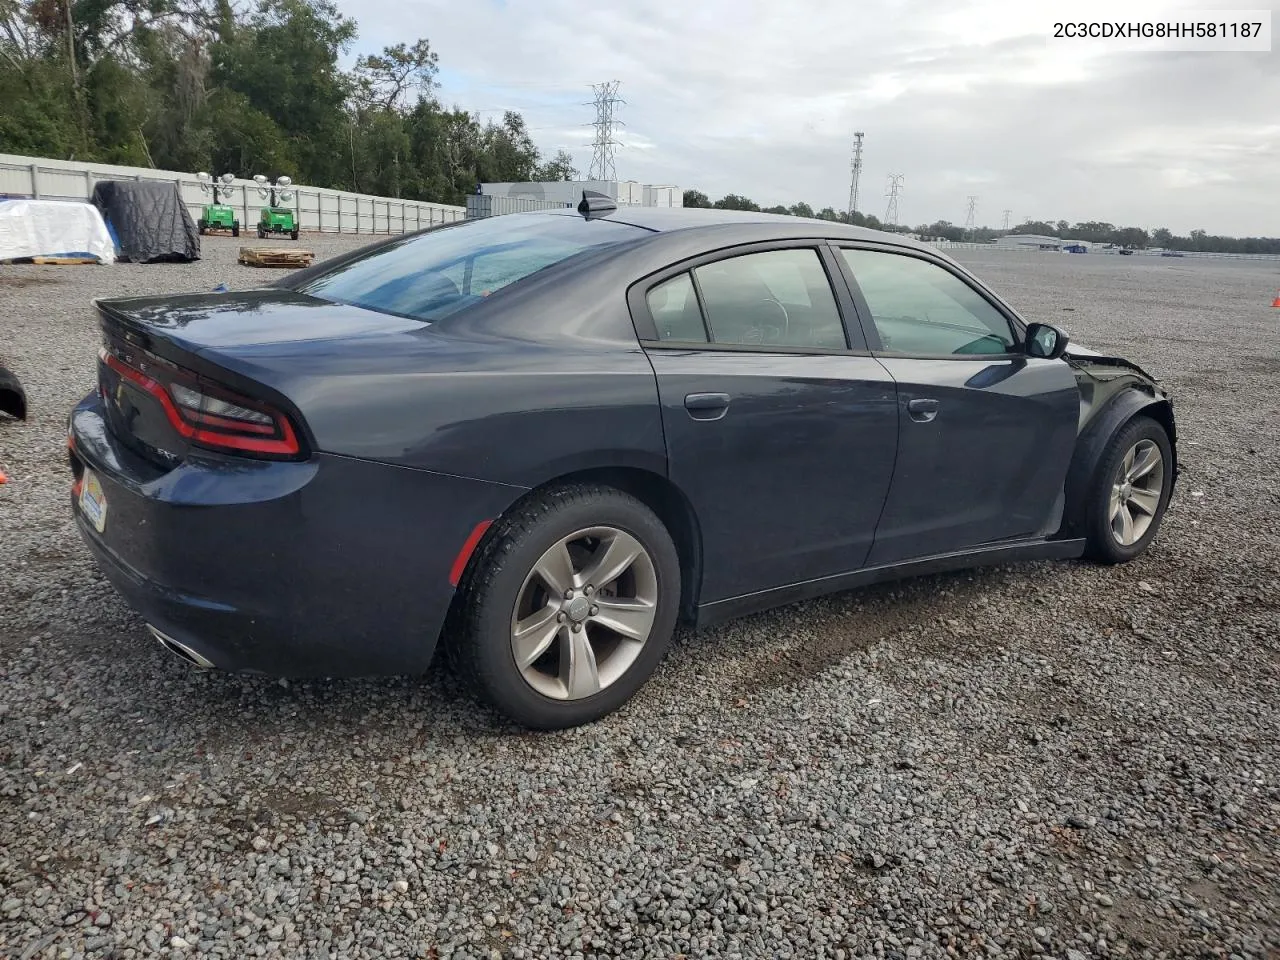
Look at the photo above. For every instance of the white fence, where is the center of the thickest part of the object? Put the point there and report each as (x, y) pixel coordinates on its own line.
(480, 206)
(318, 209)
(1009, 248)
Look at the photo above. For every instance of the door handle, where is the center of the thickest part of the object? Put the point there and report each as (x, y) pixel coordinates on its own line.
(707, 406)
(922, 410)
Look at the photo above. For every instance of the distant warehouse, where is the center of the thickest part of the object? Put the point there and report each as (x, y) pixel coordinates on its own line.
(493, 199)
(1029, 241)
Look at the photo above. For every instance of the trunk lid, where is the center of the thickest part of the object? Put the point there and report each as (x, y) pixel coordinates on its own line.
(197, 338)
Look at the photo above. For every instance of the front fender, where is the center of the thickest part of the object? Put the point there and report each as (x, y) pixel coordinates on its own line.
(1131, 401)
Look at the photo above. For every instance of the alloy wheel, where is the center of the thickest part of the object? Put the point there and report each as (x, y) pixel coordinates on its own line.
(584, 613)
(1136, 491)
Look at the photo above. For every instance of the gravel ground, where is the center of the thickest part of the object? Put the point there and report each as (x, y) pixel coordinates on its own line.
(1051, 760)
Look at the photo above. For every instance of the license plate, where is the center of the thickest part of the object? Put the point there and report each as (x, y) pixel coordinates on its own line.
(93, 502)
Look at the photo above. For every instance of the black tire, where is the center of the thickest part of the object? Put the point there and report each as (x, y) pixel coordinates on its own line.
(1101, 544)
(479, 634)
(262, 234)
(293, 234)
(201, 226)
(235, 228)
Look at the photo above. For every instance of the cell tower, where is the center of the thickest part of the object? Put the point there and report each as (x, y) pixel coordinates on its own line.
(1007, 215)
(856, 167)
(895, 190)
(602, 165)
(968, 217)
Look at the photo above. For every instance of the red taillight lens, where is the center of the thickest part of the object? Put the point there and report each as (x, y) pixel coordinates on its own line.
(208, 414)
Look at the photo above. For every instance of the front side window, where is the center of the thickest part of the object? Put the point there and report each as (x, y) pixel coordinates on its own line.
(919, 308)
(435, 274)
(774, 298)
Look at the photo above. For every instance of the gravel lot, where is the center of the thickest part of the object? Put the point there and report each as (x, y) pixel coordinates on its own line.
(1049, 760)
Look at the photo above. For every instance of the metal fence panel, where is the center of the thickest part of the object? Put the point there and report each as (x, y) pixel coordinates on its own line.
(317, 208)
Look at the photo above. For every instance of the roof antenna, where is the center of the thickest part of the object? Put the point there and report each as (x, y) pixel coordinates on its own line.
(595, 203)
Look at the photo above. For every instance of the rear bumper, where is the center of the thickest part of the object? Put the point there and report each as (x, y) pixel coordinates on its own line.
(329, 567)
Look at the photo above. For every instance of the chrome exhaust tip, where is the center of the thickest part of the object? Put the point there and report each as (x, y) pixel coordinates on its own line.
(180, 650)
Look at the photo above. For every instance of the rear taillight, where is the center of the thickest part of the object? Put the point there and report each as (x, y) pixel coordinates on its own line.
(209, 414)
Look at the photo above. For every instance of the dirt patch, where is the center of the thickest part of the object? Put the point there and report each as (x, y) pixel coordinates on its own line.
(12, 282)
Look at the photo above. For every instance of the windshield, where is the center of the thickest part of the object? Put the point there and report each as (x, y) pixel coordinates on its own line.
(435, 274)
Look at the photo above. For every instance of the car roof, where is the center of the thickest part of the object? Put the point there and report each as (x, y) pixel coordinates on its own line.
(669, 219)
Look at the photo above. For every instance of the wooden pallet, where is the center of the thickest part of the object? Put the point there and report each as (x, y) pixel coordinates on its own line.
(276, 257)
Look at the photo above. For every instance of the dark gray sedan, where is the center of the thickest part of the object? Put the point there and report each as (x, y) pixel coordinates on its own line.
(539, 440)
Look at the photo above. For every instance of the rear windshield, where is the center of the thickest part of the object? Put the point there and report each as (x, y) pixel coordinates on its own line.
(435, 274)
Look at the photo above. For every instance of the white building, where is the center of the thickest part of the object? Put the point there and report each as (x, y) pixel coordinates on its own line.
(627, 193)
(1030, 241)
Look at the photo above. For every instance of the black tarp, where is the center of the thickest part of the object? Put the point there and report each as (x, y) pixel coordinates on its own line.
(149, 220)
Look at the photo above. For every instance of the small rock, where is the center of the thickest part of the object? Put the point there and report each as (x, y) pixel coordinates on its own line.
(400, 886)
(103, 919)
(178, 943)
(1145, 587)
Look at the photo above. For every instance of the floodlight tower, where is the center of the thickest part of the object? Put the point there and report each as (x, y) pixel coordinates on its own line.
(275, 218)
(856, 169)
(221, 187)
(895, 190)
(219, 215)
(602, 163)
(1007, 215)
(267, 189)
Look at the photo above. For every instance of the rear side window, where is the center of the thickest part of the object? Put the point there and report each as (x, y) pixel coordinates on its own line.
(674, 308)
(436, 274)
(774, 298)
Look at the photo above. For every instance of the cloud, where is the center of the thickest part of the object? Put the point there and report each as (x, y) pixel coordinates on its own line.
(761, 98)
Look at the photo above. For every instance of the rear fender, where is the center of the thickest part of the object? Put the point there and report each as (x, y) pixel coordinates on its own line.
(1092, 442)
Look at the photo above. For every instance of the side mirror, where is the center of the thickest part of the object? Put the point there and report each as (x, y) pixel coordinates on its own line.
(1045, 341)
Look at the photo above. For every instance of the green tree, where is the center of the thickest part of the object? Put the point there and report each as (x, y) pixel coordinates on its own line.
(284, 62)
(734, 202)
(696, 198)
(559, 167)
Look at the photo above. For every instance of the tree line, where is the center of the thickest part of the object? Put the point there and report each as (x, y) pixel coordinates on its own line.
(1092, 231)
(200, 85)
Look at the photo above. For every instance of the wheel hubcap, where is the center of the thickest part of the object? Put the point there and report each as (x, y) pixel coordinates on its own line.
(1135, 492)
(584, 613)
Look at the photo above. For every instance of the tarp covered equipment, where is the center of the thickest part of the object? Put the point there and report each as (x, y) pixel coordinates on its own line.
(53, 228)
(149, 219)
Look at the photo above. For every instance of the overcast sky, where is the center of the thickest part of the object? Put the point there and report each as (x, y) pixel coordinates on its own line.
(960, 96)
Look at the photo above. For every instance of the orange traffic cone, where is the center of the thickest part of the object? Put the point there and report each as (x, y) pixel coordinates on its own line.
(1276, 301)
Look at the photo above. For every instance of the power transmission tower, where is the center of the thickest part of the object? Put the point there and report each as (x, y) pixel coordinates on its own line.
(1007, 215)
(857, 173)
(602, 165)
(968, 218)
(895, 190)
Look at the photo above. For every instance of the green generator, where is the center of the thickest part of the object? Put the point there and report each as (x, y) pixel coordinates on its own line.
(275, 218)
(217, 215)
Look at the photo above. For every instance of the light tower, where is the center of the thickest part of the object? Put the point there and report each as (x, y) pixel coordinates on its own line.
(1007, 215)
(895, 190)
(602, 163)
(968, 217)
(856, 167)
